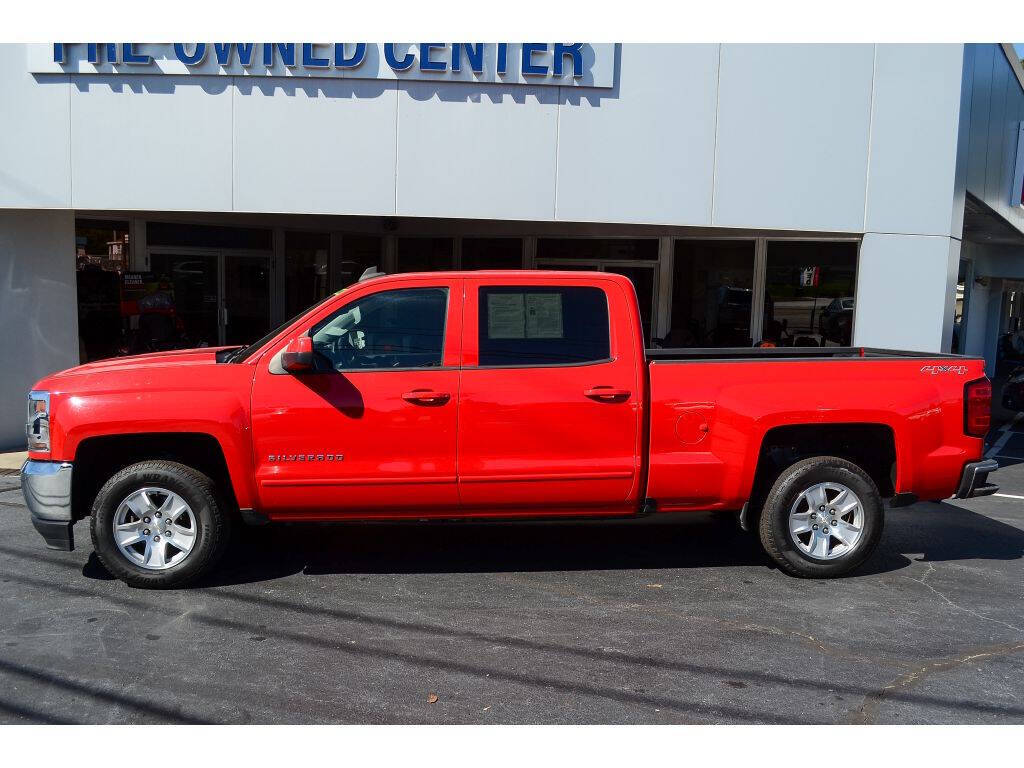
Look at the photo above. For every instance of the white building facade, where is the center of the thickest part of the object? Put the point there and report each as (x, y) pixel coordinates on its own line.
(163, 195)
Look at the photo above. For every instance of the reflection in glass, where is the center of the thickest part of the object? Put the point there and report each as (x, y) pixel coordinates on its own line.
(492, 253)
(712, 294)
(425, 254)
(809, 293)
(307, 269)
(598, 249)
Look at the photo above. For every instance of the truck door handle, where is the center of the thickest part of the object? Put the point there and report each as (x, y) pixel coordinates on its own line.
(426, 397)
(606, 394)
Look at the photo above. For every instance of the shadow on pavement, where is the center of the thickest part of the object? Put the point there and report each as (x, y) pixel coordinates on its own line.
(939, 532)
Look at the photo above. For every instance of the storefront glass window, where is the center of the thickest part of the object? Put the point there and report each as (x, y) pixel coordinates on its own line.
(492, 253)
(358, 253)
(597, 249)
(712, 294)
(102, 256)
(425, 254)
(809, 293)
(307, 259)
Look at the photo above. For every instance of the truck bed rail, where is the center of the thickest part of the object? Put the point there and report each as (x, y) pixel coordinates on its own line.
(692, 354)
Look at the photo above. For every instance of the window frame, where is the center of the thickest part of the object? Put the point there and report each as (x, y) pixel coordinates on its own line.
(323, 322)
(526, 287)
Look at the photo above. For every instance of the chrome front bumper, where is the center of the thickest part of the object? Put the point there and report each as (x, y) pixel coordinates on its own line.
(974, 480)
(46, 486)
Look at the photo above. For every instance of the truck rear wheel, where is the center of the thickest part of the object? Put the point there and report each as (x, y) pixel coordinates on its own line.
(822, 518)
(158, 525)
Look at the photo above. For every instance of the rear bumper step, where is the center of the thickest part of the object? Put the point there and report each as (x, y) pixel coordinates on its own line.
(974, 480)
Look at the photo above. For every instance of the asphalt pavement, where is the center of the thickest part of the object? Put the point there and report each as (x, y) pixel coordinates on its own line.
(674, 620)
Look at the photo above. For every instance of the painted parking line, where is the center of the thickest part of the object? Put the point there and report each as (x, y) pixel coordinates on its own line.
(1004, 438)
(1008, 496)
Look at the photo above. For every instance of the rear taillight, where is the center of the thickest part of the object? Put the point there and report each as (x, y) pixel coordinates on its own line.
(978, 407)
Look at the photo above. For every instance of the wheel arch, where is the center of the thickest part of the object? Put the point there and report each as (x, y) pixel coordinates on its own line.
(871, 446)
(99, 458)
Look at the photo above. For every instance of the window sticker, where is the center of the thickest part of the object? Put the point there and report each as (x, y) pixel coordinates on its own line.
(506, 316)
(544, 316)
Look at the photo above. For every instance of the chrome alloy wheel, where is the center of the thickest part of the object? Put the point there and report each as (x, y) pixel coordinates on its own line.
(826, 521)
(155, 528)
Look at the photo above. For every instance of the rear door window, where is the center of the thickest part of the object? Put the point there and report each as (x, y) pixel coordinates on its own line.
(525, 325)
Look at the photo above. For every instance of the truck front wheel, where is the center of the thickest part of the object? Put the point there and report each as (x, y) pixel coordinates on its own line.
(158, 525)
(823, 518)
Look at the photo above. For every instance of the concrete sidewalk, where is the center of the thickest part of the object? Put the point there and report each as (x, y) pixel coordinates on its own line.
(10, 462)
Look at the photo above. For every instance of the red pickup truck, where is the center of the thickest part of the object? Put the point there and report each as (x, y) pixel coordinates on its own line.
(500, 395)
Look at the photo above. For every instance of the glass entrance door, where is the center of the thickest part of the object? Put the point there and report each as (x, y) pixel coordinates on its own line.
(190, 311)
(641, 275)
(211, 298)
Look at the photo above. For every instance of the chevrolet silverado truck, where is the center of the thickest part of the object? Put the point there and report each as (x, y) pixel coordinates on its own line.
(494, 395)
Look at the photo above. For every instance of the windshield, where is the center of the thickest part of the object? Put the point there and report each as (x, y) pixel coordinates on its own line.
(243, 353)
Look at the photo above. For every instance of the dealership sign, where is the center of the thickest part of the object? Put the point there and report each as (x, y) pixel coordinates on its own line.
(565, 64)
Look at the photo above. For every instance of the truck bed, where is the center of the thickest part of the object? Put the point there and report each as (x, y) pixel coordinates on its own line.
(712, 410)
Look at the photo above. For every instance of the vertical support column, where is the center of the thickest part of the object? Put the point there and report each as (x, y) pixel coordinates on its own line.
(757, 302)
(530, 252)
(38, 308)
(389, 258)
(993, 325)
(277, 279)
(906, 285)
(337, 256)
(138, 248)
(666, 272)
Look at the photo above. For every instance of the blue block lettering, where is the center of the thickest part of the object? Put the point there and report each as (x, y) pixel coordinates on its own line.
(310, 59)
(474, 54)
(426, 65)
(129, 56)
(529, 68)
(190, 59)
(576, 51)
(341, 61)
(398, 65)
(287, 54)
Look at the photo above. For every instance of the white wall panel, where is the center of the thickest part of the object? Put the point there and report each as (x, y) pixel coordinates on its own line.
(914, 134)
(997, 110)
(793, 136)
(152, 142)
(483, 151)
(996, 180)
(314, 147)
(35, 168)
(904, 292)
(38, 309)
(642, 152)
(981, 103)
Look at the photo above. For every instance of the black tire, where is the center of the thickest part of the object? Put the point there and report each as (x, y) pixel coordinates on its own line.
(789, 486)
(195, 488)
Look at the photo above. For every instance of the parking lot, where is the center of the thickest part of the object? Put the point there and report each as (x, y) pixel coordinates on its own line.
(650, 621)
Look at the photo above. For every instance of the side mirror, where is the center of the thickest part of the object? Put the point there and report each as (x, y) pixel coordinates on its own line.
(298, 355)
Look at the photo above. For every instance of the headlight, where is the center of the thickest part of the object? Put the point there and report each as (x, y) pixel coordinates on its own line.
(38, 426)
